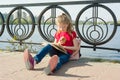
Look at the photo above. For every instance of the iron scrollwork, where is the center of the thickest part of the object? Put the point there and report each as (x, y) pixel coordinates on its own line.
(2, 25)
(91, 31)
(46, 26)
(20, 23)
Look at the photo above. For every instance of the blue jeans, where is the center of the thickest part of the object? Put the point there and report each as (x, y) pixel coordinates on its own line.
(63, 58)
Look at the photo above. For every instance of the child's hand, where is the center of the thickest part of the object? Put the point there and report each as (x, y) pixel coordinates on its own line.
(62, 40)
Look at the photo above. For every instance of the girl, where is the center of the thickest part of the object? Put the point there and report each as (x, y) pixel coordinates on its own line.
(66, 37)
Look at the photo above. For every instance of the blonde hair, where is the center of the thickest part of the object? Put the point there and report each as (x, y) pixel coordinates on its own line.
(65, 19)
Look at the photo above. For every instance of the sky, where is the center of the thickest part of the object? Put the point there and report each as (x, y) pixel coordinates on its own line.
(115, 7)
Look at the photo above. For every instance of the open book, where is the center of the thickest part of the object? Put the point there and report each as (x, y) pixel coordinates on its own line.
(57, 46)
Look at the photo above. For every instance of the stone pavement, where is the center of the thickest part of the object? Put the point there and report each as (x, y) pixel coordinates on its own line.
(12, 67)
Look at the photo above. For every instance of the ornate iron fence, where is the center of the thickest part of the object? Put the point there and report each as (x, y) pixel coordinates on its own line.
(94, 30)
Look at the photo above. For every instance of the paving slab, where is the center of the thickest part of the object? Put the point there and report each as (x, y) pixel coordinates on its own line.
(12, 67)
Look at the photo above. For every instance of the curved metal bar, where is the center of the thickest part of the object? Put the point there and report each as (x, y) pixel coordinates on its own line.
(15, 29)
(19, 23)
(2, 26)
(47, 36)
(48, 32)
(87, 39)
(99, 39)
(44, 29)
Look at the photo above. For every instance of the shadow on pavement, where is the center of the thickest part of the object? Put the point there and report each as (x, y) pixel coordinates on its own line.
(72, 64)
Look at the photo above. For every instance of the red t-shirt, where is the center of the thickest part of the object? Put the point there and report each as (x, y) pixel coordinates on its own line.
(68, 39)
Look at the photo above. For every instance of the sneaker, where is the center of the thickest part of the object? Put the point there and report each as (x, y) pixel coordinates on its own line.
(52, 65)
(28, 59)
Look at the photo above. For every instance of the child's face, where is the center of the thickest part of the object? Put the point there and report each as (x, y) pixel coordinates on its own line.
(62, 27)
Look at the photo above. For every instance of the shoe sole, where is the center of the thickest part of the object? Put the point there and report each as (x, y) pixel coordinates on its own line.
(52, 65)
(27, 60)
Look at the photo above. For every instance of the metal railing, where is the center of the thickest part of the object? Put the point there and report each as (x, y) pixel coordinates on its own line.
(20, 22)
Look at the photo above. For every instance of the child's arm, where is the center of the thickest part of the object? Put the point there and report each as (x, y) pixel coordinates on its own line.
(78, 47)
(61, 41)
(75, 47)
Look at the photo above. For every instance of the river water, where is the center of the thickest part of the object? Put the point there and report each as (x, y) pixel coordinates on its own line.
(86, 52)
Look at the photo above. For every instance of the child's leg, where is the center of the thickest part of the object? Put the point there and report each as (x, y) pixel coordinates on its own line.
(62, 60)
(56, 62)
(52, 65)
(41, 54)
(30, 61)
